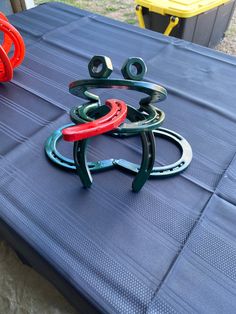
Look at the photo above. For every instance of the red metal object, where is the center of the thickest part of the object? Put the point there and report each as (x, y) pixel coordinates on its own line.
(6, 70)
(11, 37)
(7, 42)
(111, 121)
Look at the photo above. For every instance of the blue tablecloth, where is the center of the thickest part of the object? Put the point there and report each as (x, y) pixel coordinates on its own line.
(170, 248)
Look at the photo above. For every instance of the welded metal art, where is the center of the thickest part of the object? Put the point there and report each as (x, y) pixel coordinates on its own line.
(117, 119)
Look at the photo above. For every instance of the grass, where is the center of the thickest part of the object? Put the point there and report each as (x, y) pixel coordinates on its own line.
(124, 10)
(117, 9)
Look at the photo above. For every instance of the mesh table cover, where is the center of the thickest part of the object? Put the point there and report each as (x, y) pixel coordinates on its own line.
(170, 248)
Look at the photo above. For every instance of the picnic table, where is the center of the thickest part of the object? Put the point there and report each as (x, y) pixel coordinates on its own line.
(170, 248)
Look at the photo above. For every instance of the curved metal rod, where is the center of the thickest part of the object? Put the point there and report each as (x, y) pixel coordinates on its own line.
(81, 89)
(148, 159)
(168, 170)
(56, 157)
(82, 166)
(111, 120)
(157, 172)
(152, 119)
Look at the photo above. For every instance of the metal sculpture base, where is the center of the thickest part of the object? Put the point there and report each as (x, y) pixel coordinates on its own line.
(158, 172)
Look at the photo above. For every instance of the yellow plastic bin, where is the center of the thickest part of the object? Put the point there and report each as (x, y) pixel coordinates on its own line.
(200, 21)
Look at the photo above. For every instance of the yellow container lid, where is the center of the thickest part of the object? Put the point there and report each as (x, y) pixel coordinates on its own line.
(180, 8)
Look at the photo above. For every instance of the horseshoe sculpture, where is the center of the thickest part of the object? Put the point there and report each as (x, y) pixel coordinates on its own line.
(92, 118)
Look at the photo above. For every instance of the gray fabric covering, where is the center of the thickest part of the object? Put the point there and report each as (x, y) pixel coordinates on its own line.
(22, 290)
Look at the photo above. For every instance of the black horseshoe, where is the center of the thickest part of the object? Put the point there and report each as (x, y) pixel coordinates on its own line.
(82, 167)
(148, 159)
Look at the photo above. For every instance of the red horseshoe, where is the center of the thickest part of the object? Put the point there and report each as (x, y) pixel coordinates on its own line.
(11, 36)
(112, 120)
(7, 42)
(14, 35)
(6, 70)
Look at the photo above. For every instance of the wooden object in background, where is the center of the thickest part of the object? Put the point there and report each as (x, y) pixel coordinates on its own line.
(20, 5)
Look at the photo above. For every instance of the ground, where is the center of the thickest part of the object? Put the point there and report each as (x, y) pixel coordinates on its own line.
(123, 10)
(118, 9)
(22, 290)
(228, 45)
